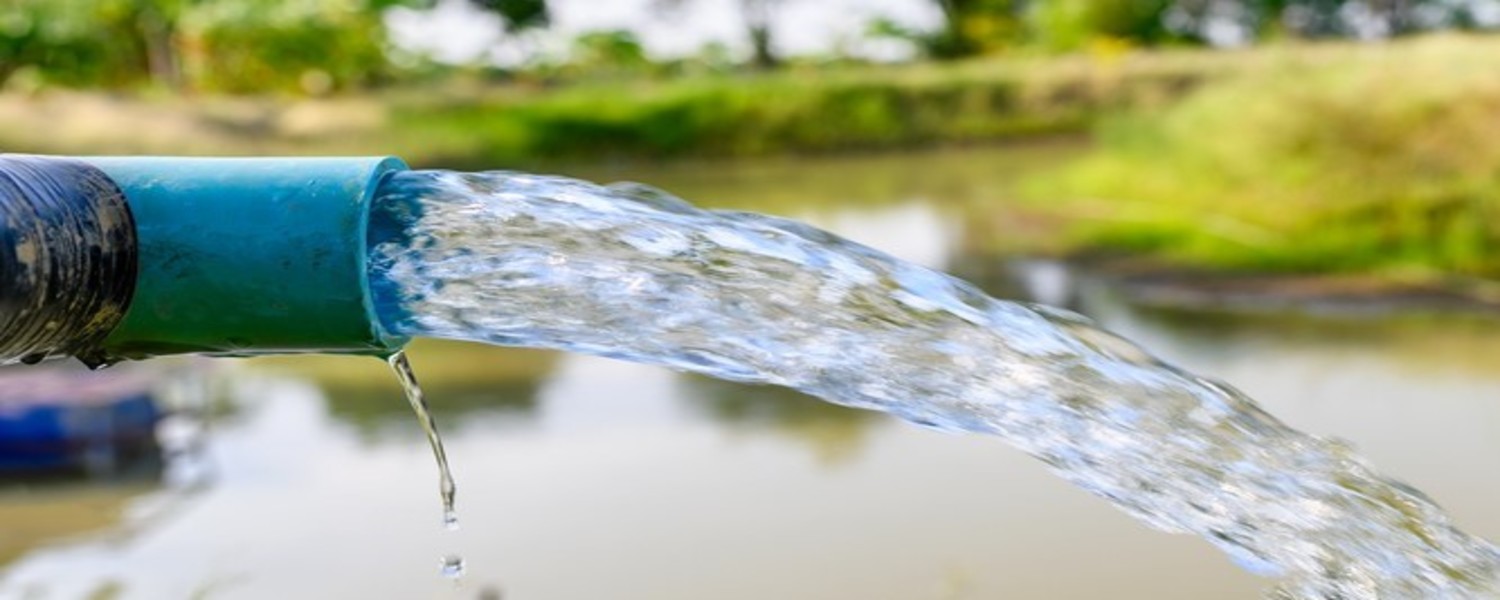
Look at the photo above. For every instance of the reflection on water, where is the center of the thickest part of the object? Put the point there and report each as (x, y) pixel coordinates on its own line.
(33, 517)
(471, 384)
(590, 479)
(121, 488)
(371, 412)
(950, 178)
(835, 434)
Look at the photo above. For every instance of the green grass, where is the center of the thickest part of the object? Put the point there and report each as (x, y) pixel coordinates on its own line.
(799, 111)
(1381, 159)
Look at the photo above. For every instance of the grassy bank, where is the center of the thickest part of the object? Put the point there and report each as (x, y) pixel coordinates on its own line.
(1374, 159)
(801, 110)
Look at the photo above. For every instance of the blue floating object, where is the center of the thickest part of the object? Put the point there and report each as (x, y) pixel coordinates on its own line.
(63, 420)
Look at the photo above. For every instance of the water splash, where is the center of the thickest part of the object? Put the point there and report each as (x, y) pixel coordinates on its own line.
(629, 272)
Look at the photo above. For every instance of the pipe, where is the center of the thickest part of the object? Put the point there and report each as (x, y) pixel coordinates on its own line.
(245, 256)
(67, 258)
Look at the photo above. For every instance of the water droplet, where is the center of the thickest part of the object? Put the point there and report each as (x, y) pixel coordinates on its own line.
(453, 566)
(97, 361)
(450, 520)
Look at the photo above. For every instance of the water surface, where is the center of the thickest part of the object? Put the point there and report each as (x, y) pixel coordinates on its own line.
(586, 478)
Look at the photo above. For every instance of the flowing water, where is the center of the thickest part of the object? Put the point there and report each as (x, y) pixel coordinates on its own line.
(631, 273)
(450, 565)
(447, 489)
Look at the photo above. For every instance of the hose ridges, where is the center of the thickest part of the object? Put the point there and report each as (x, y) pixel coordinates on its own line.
(67, 258)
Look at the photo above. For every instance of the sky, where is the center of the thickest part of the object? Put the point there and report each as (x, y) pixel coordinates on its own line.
(456, 32)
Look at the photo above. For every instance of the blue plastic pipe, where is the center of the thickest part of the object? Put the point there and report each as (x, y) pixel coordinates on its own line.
(218, 256)
(246, 256)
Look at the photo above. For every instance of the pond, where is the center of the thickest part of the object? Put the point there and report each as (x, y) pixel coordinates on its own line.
(583, 478)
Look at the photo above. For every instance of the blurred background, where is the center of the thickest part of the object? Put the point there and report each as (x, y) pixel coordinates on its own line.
(1297, 196)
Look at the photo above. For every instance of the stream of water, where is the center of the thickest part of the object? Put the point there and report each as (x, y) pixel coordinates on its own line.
(451, 565)
(632, 273)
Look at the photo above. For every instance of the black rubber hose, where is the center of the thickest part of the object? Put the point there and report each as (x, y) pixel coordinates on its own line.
(67, 258)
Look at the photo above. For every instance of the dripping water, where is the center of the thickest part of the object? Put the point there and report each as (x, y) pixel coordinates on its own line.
(452, 565)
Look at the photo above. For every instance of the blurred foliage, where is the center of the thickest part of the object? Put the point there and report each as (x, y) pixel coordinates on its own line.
(1075, 24)
(1339, 161)
(788, 111)
(969, 27)
(224, 45)
(614, 52)
(318, 46)
(70, 41)
(980, 26)
(308, 45)
(518, 15)
(1311, 19)
(757, 16)
(835, 434)
(520, 20)
(1316, 156)
(521, 122)
(976, 26)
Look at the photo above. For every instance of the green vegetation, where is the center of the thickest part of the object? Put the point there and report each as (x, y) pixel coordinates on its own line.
(1289, 156)
(791, 111)
(1360, 158)
(1073, 24)
(315, 47)
(310, 46)
(819, 110)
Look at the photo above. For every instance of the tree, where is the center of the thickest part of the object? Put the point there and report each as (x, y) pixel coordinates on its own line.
(1070, 24)
(1311, 19)
(1303, 18)
(758, 22)
(518, 16)
(612, 52)
(308, 46)
(35, 35)
(757, 15)
(229, 45)
(974, 26)
(92, 42)
(153, 29)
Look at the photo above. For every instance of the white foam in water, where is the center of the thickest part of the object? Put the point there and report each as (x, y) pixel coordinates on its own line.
(631, 273)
